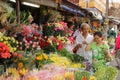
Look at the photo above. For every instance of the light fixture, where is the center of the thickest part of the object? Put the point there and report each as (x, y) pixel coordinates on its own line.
(31, 4)
(12, 0)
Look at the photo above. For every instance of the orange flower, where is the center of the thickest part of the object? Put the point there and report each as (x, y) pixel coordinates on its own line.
(15, 54)
(20, 65)
(84, 78)
(39, 57)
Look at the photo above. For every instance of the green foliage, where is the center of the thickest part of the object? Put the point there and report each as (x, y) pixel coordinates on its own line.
(72, 57)
(59, 32)
(48, 31)
(55, 16)
(78, 58)
(106, 73)
(66, 53)
(49, 48)
(79, 75)
(25, 16)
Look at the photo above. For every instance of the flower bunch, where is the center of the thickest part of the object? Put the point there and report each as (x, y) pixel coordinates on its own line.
(41, 59)
(60, 26)
(29, 45)
(13, 74)
(4, 51)
(31, 39)
(10, 42)
(57, 43)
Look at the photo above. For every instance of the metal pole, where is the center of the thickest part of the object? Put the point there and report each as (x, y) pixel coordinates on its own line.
(107, 8)
(18, 11)
(106, 18)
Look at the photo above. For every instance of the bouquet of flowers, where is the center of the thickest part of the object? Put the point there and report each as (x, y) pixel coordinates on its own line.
(55, 29)
(60, 29)
(5, 56)
(31, 39)
(7, 49)
(10, 42)
(41, 59)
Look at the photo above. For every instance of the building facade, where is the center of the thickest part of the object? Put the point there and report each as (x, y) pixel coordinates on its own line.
(99, 4)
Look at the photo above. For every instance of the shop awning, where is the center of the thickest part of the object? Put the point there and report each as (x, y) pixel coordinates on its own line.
(71, 7)
(114, 19)
(73, 10)
(95, 13)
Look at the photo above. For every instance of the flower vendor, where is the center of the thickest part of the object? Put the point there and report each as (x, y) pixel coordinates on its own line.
(100, 50)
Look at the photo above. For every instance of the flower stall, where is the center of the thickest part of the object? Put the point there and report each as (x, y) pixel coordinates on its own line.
(31, 52)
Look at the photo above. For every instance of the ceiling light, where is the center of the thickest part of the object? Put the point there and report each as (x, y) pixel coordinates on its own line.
(13, 0)
(31, 4)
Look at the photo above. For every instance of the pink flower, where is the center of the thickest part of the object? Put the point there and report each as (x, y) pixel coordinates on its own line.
(20, 43)
(26, 30)
(20, 48)
(71, 39)
(31, 42)
(35, 43)
(27, 47)
(33, 46)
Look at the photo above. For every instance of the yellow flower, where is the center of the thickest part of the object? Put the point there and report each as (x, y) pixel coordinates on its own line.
(1, 39)
(23, 71)
(16, 42)
(20, 65)
(14, 49)
(6, 38)
(12, 71)
(45, 56)
(39, 57)
(93, 78)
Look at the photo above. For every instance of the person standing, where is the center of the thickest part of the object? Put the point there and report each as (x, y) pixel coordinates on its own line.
(117, 49)
(82, 40)
(100, 51)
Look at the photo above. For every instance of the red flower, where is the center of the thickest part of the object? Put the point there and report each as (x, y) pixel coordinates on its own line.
(60, 46)
(84, 78)
(4, 51)
(43, 43)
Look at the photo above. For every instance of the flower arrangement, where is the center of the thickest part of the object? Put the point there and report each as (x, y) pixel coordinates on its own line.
(4, 51)
(55, 29)
(53, 44)
(10, 42)
(55, 16)
(49, 72)
(41, 59)
(7, 49)
(31, 39)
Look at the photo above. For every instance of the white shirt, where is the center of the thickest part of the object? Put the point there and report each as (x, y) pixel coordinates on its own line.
(81, 51)
(76, 33)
